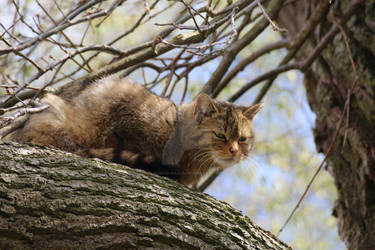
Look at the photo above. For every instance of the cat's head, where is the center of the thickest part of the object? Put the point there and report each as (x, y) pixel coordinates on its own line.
(226, 129)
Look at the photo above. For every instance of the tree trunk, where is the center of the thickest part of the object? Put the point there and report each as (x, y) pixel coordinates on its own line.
(53, 199)
(352, 161)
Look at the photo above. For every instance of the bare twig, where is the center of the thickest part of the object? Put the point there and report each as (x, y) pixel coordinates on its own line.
(61, 26)
(189, 8)
(172, 68)
(7, 120)
(241, 66)
(238, 45)
(270, 74)
(274, 26)
(16, 123)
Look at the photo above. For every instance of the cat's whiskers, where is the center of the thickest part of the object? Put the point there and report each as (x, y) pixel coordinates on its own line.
(202, 165)
(197, 158)
(201, 158)
(216, 159)
(252, 161)
(223, 163)
(199, 155)
(212, 165)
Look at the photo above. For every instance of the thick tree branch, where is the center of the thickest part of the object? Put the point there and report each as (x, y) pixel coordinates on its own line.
(52, 199)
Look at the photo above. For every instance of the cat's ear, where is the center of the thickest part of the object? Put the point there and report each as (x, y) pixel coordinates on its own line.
(250, 112)
(203, 106)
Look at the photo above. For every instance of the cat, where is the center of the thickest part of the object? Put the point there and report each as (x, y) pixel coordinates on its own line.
(119, 121)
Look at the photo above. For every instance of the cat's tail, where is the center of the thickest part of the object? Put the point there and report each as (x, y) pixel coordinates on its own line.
(147, 163)
(150, 164)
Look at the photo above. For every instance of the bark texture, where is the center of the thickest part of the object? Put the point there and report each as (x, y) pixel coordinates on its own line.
(53, 199)
(352, 163)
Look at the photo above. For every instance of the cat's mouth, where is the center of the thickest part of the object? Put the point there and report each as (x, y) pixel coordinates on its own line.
(225, 162)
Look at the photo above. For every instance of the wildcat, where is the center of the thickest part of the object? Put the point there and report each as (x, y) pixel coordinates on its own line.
(123, 122)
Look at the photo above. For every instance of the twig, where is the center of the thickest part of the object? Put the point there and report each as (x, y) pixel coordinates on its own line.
(353, 66)
(172, 68)
(185, 89)
(7, 120)
(270, 74)
(17, 123)
(238, 45)
(274, 26)
(241, 65)
(110, 10)
(67, 39)
(338, 127)
(188, 6)
(63, 25)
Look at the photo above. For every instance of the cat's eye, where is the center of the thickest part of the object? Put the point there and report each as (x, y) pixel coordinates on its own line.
(242, 139)
(219, 135)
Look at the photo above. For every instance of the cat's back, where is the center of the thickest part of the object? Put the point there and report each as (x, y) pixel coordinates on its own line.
(136, 117)
(143, 120)
(108, 94)
(99, 115)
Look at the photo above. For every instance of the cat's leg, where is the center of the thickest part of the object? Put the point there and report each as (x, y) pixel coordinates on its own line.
(106, 154)
(145, 162)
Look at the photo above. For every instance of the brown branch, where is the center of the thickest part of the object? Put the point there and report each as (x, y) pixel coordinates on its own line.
(129, 70)
(303, 66)
(274, 26)
(66, 37)
(339, 125)
(238, 45)
(172, 68)
(314, 20)
(270, 74)
(189, 8)
(241, 65)
(159, 48)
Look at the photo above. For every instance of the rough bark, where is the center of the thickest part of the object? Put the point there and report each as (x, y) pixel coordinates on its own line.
(351, 163)
(53, 199)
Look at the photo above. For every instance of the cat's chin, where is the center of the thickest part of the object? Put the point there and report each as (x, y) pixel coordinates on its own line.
(225, 162)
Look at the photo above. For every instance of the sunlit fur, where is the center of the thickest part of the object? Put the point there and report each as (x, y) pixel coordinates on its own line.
(225, 119)
(113, 119)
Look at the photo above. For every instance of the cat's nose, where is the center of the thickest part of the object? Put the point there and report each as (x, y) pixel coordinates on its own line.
(233, 149)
